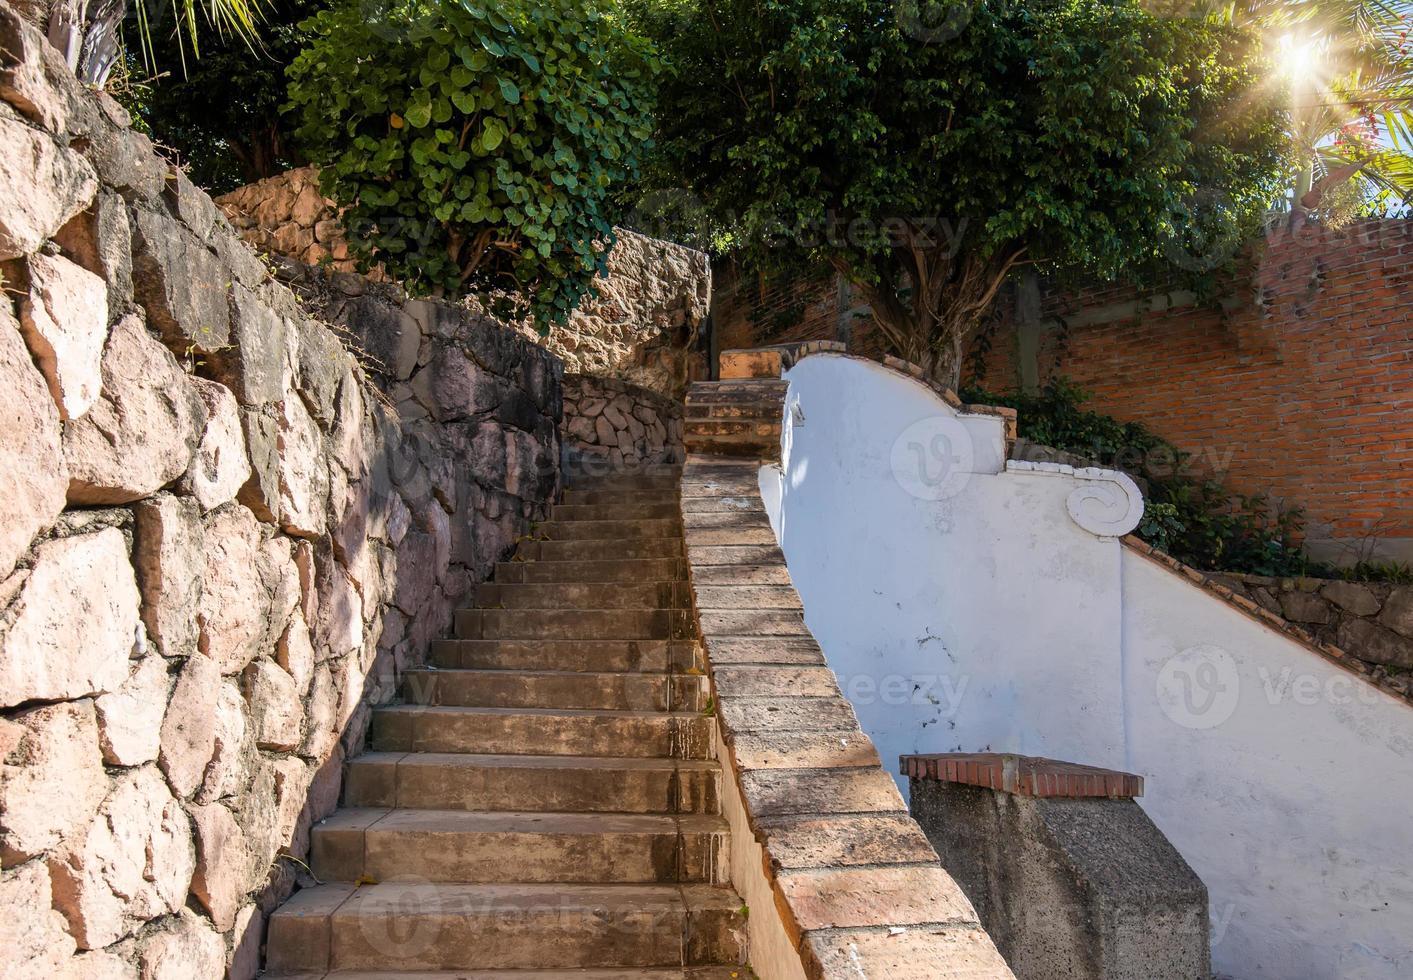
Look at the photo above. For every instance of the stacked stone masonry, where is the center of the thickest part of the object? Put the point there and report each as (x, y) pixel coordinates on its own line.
(619, 425)
(220, 543)
(822, 840)
(643, 328)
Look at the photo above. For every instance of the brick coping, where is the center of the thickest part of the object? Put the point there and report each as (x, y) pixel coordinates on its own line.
(1210, 583)
(1023, 775)
(857, 887)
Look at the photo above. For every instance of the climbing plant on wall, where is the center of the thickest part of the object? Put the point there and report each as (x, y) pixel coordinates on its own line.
(475, 148)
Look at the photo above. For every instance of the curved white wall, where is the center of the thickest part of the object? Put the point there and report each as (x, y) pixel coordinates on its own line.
(964, 609)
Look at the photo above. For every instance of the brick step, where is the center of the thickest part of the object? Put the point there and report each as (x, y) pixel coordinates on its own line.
(594, 656)
(555, 689)
(662, 495)
(530, 783)
(612, 530)
(643, 594)
(617, 510)
(680, 973)
(543, 731)
(428, 926)
(533, 848)
(631, 548)
(605, 570)
(573, 624)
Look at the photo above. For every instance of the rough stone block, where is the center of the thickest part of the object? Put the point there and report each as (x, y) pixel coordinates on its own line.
(43, 184)
(74, 622)
(133, 863)
(275, 708)
(180, 283)
(182, 948)
(220, 467)
(53, 783)
(1397, 613)
(255, 365)
(100, 240)
(304, 471)
(143, 431)
(235, 606)
(222, 862)
(167, 552)
(188, 735)
(34, 479)
(65, 322)
(32, 932)
(130, 718)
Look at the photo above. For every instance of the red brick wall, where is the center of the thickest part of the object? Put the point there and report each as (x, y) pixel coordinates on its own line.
(1303, 391)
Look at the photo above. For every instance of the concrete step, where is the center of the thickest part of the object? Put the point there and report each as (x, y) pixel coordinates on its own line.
(663, 495)
(652, 479)
(555, 689)
(610, 530)
(646, 656)
(530, 783)
(643, 594)
(695, 520)
(530, 549)
(681, 973)
(606, 570)
(543, 731)
(413, 926)
(618, 511)
(573, 624)
(573, 848)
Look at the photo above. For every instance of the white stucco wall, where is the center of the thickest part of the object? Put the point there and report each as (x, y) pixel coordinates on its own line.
(965, 610)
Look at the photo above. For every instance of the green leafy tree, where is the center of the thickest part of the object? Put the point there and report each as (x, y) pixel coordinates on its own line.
(476, 149)
(926, 149)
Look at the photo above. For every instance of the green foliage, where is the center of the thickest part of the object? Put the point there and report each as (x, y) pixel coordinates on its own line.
(1194, 519)
(477, 148)
(926, 148)
(222, 113)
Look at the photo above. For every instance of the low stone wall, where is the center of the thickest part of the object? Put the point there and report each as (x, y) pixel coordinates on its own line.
(219, 542)
(642, 328)
(619, 424)
(1372, 621)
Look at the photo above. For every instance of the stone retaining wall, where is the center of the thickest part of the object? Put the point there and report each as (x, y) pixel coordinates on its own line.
(219, 542)
(620, 424)
(642, 328)
(1369, 620)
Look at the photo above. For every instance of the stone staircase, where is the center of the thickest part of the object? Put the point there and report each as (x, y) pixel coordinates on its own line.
(544, 803)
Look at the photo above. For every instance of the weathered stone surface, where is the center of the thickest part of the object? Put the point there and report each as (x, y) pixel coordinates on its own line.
(234, 604)
(188, 733)
(339, 628)
(167, 552)
(65, 322)
(255, 366)
(1302, 607)
(134, 862)
(220, 467)
(454, 387)
(244, 960)
(304, 476)
(180, 284)
(1352, 597)
(130, 718)
(322, 731)
(234, 755)
(275, 709)
(182, 948)
(32, 932)
(142, 432)
(295, 653)
(222, 864)
(34, 479)
(1370, 641)
(42, 186)
(1397, 613)
(100, 240)
(74, 623)
(261, 493)
(53, 783)
(33, 76)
